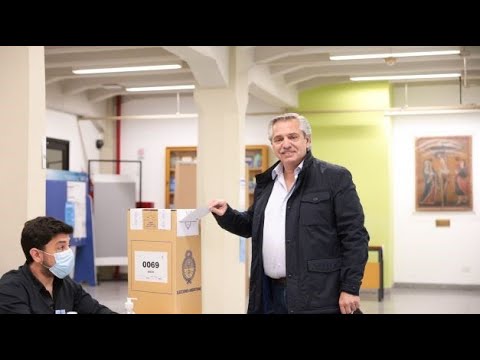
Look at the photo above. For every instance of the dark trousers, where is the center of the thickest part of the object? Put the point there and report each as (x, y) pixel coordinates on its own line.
(279, 297)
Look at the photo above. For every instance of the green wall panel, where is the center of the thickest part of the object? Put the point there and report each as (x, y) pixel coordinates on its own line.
(349, 129)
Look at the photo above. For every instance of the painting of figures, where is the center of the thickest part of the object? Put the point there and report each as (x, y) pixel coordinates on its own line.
(443, 173)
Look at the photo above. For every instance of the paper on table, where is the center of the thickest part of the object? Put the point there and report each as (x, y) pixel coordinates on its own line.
(196, 214)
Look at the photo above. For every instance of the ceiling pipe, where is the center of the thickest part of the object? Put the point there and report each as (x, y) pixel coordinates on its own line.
(140, 117)
(407, 110)
(433, 110)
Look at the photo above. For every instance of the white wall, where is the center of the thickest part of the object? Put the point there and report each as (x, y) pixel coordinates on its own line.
(82, 137)
(154, 135)
(256, 125)
(424, 253)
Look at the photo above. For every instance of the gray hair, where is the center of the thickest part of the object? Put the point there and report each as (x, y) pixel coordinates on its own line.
(304, 125)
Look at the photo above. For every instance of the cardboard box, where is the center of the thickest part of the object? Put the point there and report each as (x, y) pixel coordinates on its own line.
(185, 185)
(164, 262)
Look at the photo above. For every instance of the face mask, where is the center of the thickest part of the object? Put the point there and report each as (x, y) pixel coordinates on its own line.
(64, 262)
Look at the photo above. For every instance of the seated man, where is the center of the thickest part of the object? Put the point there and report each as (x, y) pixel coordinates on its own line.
(42, 284)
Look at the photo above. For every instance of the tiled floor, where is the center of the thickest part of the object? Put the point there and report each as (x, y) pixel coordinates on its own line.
(110, 293)
(423, 301)
(397, 301)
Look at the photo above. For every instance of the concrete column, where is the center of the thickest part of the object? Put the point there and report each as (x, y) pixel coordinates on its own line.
(22, 184)
(221, 166)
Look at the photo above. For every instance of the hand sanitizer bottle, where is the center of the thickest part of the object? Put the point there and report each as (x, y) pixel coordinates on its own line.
(129, 306)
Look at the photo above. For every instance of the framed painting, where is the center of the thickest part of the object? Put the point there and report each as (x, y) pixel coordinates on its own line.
(443, 168)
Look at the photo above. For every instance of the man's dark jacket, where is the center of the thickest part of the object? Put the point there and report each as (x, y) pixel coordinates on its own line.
(325, 238)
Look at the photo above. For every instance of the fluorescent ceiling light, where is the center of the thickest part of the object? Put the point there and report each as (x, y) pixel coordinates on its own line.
(112, 87)
(126, 69)
(161, 88)
(404, 77)
(397, 55)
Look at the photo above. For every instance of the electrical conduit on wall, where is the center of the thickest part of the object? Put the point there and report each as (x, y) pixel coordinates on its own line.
(118, 112)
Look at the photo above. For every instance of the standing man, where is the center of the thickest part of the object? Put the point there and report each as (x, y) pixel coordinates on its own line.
(309, 242)
(43, 285)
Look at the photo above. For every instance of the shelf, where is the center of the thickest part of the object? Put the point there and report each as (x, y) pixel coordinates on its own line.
(254, 155)
(256, 158)
(172, 156)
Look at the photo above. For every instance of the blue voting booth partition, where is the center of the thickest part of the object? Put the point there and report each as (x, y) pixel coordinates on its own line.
(65, 196)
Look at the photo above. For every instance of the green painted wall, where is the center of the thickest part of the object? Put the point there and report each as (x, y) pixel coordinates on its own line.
(349, 129)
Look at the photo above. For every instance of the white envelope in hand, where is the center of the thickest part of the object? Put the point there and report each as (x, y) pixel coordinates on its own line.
(196, 214)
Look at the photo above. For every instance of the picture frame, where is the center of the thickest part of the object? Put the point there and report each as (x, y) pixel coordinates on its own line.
(443, 173)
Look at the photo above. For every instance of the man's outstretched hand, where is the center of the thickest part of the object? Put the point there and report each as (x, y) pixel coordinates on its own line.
(218, 207)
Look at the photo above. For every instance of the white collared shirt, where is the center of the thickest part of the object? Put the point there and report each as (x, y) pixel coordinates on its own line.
(273, 251)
